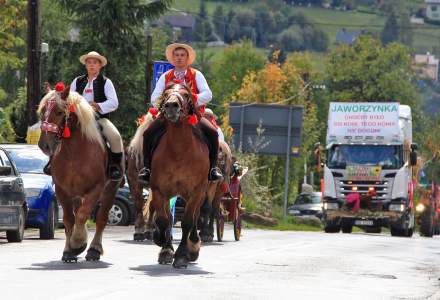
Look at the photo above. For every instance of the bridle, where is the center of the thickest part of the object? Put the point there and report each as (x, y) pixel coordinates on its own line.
(48, 127)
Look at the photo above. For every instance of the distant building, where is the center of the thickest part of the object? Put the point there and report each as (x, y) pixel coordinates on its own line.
(427, 66)
(433, 10)
(183, 25)
(347, 37)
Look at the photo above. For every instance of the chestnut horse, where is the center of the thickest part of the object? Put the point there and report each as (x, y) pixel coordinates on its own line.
(70, 135)
(179, 166)
(135, 162)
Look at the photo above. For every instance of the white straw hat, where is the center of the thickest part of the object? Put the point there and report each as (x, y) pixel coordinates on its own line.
(93, 54)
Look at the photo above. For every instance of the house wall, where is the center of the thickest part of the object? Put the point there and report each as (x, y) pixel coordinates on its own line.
(433, 11)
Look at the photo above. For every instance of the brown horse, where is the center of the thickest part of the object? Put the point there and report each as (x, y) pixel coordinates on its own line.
(70, 135)
(135, 163)
(179, 166)
(215, 192)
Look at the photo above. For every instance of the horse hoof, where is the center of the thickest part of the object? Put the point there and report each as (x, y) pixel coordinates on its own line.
(68, 257)
(79, 250)
(166, 257)
(138, 236)
(193, 256)
(93, 255)
(148, 235)
(180, 263)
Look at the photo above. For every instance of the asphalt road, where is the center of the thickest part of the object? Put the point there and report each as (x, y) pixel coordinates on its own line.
(263, 265)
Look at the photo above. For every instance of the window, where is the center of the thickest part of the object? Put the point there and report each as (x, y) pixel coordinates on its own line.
(433, 7)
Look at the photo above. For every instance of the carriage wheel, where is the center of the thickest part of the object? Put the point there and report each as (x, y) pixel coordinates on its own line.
(237, 225)
(220, 226)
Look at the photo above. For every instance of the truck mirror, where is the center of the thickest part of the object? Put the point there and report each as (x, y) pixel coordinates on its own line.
(413, 158)
(5, 170)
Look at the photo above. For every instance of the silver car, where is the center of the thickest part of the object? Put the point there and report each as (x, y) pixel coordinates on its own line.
(307, 204)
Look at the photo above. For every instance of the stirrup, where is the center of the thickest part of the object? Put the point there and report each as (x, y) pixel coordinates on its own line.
(144, 174)
(115, 173)
(215, 174)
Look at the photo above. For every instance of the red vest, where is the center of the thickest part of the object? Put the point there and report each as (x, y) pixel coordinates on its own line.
(191, 83)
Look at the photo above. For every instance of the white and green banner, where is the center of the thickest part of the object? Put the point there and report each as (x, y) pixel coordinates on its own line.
(363, 121)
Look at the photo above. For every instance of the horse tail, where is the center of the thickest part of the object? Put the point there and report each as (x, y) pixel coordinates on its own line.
(135, 149)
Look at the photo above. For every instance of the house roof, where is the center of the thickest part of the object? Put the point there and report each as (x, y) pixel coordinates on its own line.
(344, 36)
(426, 59)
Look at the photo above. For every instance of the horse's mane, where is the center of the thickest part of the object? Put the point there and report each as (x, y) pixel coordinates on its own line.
(83, 111)
(137, 143)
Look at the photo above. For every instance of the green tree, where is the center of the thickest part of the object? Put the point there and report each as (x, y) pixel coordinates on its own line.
(12, 24)
(203, 28)
(219, 20)
(232, 67)
(369, 72)
(390, 32)
(118, 33)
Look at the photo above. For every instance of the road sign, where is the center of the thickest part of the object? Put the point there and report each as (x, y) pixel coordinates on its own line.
(282, 131)
(159, 67)
(274, 119)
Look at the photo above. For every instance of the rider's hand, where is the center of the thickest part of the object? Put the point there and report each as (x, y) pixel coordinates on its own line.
(95, 105)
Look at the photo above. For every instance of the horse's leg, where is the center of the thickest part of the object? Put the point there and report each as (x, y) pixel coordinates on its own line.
(205, 213)
(83, 209)
(68, 221)
(187, 245)
(139, 201)
(148, 215)
(162, 233)
(107, 199)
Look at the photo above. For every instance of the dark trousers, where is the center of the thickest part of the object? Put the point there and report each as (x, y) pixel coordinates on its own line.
(157, 129)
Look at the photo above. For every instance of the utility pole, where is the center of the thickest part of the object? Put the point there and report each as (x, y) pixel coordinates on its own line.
(33, 60)
(149, 69)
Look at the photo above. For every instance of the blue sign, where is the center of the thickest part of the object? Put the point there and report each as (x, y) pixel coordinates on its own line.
(159, 67)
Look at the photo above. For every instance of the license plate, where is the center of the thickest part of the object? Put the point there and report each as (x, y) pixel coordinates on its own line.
(8, 216)
(364, 222)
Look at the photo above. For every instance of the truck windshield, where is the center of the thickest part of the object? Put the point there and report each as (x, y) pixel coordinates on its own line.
(386, 156)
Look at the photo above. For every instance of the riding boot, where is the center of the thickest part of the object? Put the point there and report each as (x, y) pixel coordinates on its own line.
(151, 138)
(46, 168)
(114, 169)
(212, 137)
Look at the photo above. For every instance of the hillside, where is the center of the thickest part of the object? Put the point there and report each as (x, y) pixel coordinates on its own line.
(426, 37)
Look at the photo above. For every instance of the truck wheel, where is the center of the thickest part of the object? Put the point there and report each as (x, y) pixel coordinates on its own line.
(331, 226)
(347, 228)
(16, 236)
(47, 231)
(426, 225)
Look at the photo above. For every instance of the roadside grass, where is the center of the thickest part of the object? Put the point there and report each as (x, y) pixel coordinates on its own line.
(287, 224)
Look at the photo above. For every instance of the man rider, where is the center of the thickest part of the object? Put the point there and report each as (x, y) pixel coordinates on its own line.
(182, 56)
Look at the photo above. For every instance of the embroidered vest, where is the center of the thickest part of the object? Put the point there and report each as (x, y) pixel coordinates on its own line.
(98, 90)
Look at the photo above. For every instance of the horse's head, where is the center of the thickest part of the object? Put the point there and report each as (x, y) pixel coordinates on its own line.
(54, 116)
(177, 102)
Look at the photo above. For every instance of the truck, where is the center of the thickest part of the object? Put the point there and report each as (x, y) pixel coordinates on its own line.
(368, 179)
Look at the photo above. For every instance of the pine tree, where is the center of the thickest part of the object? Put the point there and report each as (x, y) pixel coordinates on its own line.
(219, 21)
(390, 32)
(203, 29)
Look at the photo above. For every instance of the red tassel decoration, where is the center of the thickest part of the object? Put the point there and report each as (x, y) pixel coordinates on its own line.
(59, 87)
(192, 120)
(66, 132)
(154, 111)
(71, 108)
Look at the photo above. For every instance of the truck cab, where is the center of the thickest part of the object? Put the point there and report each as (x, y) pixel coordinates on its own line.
(368, 173)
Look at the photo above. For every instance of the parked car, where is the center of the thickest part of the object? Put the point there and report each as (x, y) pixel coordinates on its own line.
(13, 208)
(307, 204)
(39, 188)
